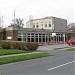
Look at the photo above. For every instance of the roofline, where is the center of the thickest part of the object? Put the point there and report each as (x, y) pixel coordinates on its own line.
(48, 17)
(40, 19)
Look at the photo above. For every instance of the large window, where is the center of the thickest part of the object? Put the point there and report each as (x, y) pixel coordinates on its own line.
(21, 36)
(19, 39)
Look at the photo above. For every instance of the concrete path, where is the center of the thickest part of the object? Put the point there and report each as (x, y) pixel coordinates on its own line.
(18, 54)
(52, 47)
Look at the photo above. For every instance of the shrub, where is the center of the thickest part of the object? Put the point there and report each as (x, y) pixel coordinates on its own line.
(9, 44)
(22, 46)
(32, 45)
(19, 45)
(1, 47)
(0, 41)
(5, 44)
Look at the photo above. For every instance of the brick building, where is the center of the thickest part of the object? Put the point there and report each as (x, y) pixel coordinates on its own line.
(42, 33)
(32, 35)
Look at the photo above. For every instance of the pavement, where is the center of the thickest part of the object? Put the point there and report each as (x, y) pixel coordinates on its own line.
(52, 47)
(62, 63)
(18, 54)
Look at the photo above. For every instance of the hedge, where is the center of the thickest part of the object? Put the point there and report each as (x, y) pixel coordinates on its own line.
(19, 45)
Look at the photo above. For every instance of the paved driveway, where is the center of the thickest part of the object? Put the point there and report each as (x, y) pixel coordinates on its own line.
(52, 47)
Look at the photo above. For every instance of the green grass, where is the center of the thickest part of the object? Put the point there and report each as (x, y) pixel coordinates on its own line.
(71, 49)
(8, 52)
(22, 57)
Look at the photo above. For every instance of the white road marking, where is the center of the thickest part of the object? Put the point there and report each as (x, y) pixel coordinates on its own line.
(60, 65)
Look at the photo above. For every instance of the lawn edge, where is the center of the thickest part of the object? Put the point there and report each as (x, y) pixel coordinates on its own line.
(34, 57)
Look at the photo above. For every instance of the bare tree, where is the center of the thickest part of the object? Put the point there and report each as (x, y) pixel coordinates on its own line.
(71, 26)
(18, 22)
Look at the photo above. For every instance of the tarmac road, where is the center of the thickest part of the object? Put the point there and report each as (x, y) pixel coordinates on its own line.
(62, 63)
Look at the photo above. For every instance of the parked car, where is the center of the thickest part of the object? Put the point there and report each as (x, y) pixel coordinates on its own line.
(71, 41)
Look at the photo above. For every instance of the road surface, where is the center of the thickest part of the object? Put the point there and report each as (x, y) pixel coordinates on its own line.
(62, 63)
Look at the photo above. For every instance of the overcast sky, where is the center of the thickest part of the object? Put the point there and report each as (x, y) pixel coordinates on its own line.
(37, 8)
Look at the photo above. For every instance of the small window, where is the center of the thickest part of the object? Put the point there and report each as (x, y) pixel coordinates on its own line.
(37, 26)
(45, 25)
(33, 26)
(49, 25)
(42, 25)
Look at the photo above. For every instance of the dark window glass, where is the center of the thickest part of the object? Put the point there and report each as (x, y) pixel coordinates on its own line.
(19, 39)
(45, 25)
(37, 26)
(49, 25)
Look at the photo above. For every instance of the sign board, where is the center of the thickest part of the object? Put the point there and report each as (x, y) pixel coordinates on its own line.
(9, 38)
(53, 34)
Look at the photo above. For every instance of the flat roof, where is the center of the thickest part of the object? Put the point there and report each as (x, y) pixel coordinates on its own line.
(48, 17)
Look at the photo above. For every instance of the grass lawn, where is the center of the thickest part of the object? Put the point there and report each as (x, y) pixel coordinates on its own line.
(71, 49)
(22, 57)
(8, 52)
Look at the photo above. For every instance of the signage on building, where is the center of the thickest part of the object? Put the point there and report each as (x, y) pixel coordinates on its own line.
(9, 38)
(53, 34)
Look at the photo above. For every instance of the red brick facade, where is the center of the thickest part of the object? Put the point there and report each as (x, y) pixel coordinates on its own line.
(1, 35)
(13, 34)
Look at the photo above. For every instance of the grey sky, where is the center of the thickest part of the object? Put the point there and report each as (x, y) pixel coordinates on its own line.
(36, 8)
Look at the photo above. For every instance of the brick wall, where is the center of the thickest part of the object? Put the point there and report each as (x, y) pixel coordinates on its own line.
(1, 35)
(13, 34)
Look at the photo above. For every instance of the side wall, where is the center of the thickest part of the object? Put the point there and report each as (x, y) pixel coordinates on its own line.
(60, 25)
(13, 34)
(1, 35)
